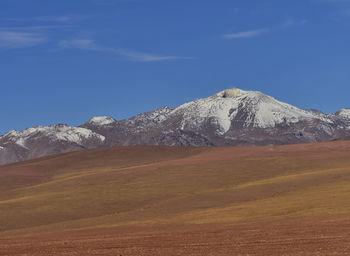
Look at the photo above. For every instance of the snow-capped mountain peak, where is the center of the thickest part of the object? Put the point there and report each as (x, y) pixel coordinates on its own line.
(102, 120)
(242, 108)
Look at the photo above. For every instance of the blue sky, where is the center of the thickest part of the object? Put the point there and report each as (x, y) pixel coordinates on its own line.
(66, 61)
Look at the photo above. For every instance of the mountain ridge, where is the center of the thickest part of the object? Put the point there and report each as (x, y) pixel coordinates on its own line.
(227, 118)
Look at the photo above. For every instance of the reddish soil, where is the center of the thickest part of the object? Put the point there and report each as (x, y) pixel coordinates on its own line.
(164, 185)
(328, 235)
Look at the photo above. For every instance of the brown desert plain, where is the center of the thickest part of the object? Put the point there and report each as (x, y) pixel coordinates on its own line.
(155, 200)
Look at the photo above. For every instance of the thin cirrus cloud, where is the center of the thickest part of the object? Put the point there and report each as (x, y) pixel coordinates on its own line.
(21, 36)
(18, 39)
(59, 19)
(55, 18)
(87, 44)
(258, 32)
(246, 34)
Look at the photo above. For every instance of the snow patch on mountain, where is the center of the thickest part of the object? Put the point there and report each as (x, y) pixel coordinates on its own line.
(21, 142)
(345, 113)
(152, 117)
(159, 115)
(55, 133)
(101, 120)
(148, 120)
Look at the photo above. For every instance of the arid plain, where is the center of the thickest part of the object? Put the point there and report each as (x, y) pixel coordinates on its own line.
(270, 200)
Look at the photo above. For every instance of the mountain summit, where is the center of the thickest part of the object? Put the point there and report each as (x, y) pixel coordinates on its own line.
(236, 109)
(230, 117)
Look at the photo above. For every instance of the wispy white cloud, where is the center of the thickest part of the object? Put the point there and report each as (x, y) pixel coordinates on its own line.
(246, 34)
(148, 57)
(289, 23)
(55, 19)
(292, 23)
(87, 44)
(38, 29)
(32, 31)
(258, 32)
(16, 39)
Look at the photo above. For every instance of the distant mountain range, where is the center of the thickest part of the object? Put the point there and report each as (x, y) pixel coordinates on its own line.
(231, 117)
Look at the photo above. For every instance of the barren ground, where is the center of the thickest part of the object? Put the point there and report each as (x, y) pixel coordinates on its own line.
(273, 200)
(327, 235)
